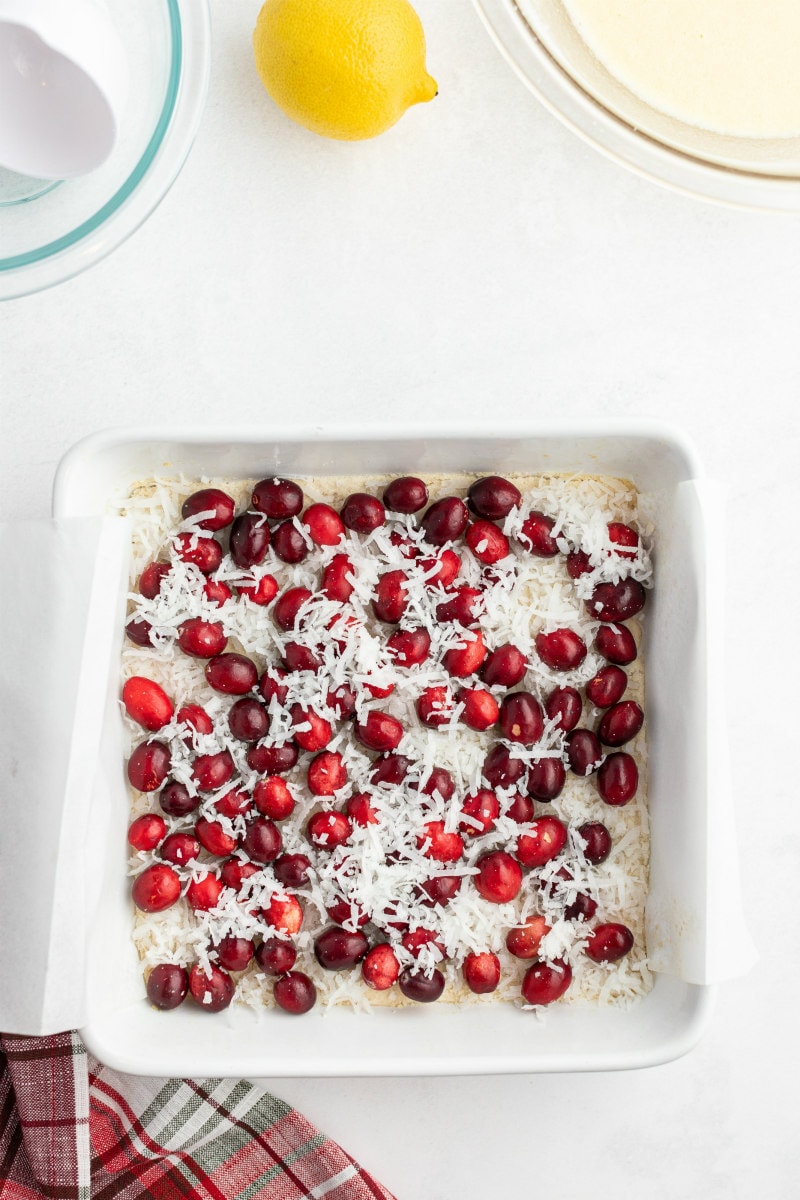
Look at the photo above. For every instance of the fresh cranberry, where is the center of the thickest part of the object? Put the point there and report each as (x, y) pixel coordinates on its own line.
(326, 773)
(205, 553)
(379, 731)
(362, 512)
(546, 779)
(481, 711)
(416, 985)
(217, 504)
(545, 982)
(152, 577)
(618, 779)
(337, 577)
(311, 731)
(139, 631)
(505, 666)
(464, 606)
(440, 890)
(521, 808)
(597, 841)
(147, 831)
(499, 877)
(336, 948)
(284, 913)
(288, 543)
(445, 520)
(561, 650)
(481, 810)
(441, 570)
(536, 535)
(466, 659)
(488, 543)
(439, 782)
(523, 941)
(481, 973)
(616, 601)
(616, 643)
(347, 913)
(436, 843)
(212, 991)
(213, 838)
(167, 986)
(407, 548)
(391, 597)
(148, 766)
(342, 700)
(435, 706)
(262, 592)
(324, 525)
(212, 771)
(276, 956)
(147, 703)
(360, 811)
(180, 849)
(277, 498)
(286, 612)
(409, 647)
(248, 720)
(272, 760)
(417, 940)
(292, 870)
(407, 494)
(583, 751)
(521, 718)
(204, 893)
(250, 539)
(380, 967)
(295, 993)
(176, 800)
(607, 686)
(390, 768)
(201, 639)
(620, 723)
(578, 563)
(234, 953)
(544, 839)
(234, 872)
(624, 540)
(493, 497)
(298, 657)
(216, 592)
(196, 718)
(157, 888)
(564, 706)
(501, 769)
(233, 674)
(327, 830)
(608, 943)
(262, 840)
(582, 908)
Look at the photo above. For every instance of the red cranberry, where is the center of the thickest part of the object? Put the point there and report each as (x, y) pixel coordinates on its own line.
(616, 601)
(201, 639)
(481, 711)
(292, 870)
(544, 839)
(436, 843)
(157, 888)
(217, 504)
(379, 731)
(417, 940)
(391, 597)
(248, 720)
(487, 542)
(204, 893)
(180, 849)
(324, 525)
(482, 807)
(327, 830)
(578, 563)
(336, 948)
(481, 973)
(607, 686)
(407, 494)
(521, 718)
(390, 768)
(608, 943)
(346, 913)
(380, 967)
(521, 808)
(146, 703)
(342, 700)
(216, 592)
(311, 731)
(262, 840)
(499, 877)
(148, 766)
(297, 657)
(624, 539)
(505, 666)
(277, 498)
(442, 570)
(212, 771)
(465, 606)
(284, 913)
(288, 543)
(409, 647)
(440, 890)
(583, 751)
(204, 552)
(234, 872)
(233, 674)
(616, 643)
(360, 811)
(362, 512)
(597, 842)
(213, 838)
(196, 718)
(445, 520)
(435, 706)
(147, 831)
(493, 497)
(288, 605)
(618, 779)
(249, 539)
(564, 706)
(295, 993)
(152, 577)
(272, 760)
(545, 982)
(467, 659)
(234, 953)
(276, 956)
(212, 991)
(261, 593)
(561, 650)
(139, 631)
(536, 535)
(500, 769)
(326, 773)
(620, 723)
(416, 985)
(523, 941)
(439, 782)
(582, 908)
(546, 779)
(176, 801)
(407, 548)
(167, 986)
(337, 578)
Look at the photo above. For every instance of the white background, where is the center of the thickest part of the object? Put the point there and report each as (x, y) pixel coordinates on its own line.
(479, 263)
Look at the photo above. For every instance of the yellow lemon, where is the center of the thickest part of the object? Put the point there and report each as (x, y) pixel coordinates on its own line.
(345, 68)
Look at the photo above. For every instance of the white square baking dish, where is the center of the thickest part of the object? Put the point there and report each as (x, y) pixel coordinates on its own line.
(686, 799)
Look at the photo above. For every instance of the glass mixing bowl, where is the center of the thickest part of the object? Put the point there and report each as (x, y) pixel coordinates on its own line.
(541, 43)
(50, 232)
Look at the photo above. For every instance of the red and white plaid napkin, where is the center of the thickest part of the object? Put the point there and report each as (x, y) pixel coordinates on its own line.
(70, 1129)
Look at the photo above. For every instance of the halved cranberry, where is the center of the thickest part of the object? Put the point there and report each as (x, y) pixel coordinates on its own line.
(620, 723)
(583, 751)
(213, 838)
(543, 840)
(391, 597)
(488, 543)
(234, 871)
(337, 577)
(564, 706)
(288, 543)
(467, 658)
(180, 849)
(436, 843)
(292, 870)
(324, 525)
(298, 657)
(481, 808)
(146, 831)
(609, 942)
(443, 569)
(217, 504)
(272, 760)
(390, 768)
(481, 973)
(536, 535)
(546, 779)
(582, 908)
(362, 512)
(326, 773)
(578, 563)
(167, 986)
(616, 601)
(500, 769)
(607, 686)
(624, 539)
(407, 494)
(521, 718)
(380, 967)
(505, 666)
(499, 877)
(204, 893)
(521, 808)
(435, 706)
(439, 782)
(440, 890)
(481, 711)
(284, 913)
(249, 539)
(295, 993)
(152, 577)
(336, 948)
(379, 731)
(597, 841)
(445, 520)
(248, 720)
(216, 592)
(196, 718)
(273, 799)
(148, 766)
(347, 913)
(204, 552)
(233, 674)
(409, 647)
(618, 779)
(546, 982)
(157, 888)
(212, 771)
(311, 731)
(465, 606)
(523, 941)
(327, 830)
(276, 956)
(416, 985)
(261, 593)
(262, 840)
(277, 498)
(288, 605)
(561, 649)
(213, 991)
(493, 497)
(139, 631)
(234, 953)
(176, 800)
(616, 643)
(147, 703)
(360, 811)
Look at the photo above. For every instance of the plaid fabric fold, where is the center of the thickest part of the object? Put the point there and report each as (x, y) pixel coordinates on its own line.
(70, 1129)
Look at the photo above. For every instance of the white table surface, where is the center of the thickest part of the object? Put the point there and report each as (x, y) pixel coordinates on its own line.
(476, 262)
